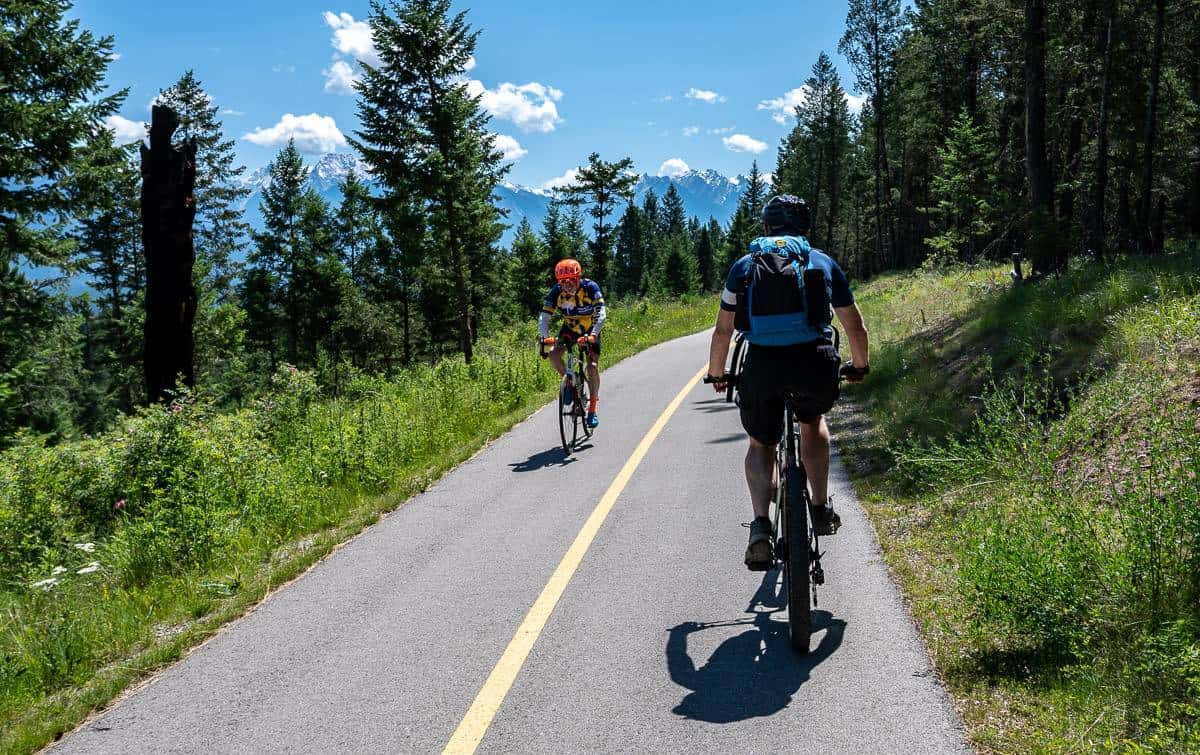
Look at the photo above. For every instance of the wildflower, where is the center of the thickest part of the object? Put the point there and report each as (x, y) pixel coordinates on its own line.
(45, 584)
(86, 547)
(57, 570)
(92, 567)
(176, 408)
(119, 504)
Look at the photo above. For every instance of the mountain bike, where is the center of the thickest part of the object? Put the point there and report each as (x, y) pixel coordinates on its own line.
(572, 417)
(796, 546)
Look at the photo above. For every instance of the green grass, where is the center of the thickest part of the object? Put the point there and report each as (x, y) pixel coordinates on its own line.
(181, 519)
(1029, 457)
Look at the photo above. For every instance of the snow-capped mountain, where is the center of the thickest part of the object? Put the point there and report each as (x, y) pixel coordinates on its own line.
(705, 193)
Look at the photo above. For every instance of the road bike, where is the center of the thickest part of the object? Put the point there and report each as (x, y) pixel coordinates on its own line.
(796, 546)
(572, 416)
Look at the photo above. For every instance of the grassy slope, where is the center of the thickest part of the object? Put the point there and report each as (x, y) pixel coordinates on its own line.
(219, 509)
(1029, 459)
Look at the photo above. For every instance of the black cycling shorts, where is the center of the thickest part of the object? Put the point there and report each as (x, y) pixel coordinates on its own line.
(806, 376)
(568, 334)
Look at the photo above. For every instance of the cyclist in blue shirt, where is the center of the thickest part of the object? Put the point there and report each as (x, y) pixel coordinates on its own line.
(806, 369)
(581, 305)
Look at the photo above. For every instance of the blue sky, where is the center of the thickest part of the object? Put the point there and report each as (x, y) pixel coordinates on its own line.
(701, 83)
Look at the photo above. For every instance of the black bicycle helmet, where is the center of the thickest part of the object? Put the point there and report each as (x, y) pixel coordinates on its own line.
(787, 214)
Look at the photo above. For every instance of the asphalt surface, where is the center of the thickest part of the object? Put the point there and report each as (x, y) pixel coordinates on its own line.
(662, 641)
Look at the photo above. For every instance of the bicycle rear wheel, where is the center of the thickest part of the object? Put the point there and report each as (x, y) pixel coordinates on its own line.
(797, 561)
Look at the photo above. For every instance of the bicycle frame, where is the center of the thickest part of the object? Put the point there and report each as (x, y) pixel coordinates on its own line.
(575, 361)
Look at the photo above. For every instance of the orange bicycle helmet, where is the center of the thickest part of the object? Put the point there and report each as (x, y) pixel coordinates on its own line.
(567, 269)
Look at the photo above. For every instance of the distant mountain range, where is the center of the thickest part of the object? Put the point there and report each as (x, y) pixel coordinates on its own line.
(706, 193)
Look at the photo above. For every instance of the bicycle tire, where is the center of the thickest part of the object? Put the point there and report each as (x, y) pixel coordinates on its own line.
(562, 421)
(797, 562)
(584, 398)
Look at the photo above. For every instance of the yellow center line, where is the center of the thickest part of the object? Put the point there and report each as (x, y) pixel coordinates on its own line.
(475, 724)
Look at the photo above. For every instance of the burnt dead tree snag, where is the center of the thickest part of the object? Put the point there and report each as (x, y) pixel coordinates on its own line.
(168, 209)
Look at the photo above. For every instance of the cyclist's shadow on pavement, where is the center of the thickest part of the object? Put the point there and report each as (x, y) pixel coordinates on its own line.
(551, 457)
(755, 673)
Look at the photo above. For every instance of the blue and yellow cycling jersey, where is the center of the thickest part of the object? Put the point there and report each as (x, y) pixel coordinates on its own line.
(578, 310)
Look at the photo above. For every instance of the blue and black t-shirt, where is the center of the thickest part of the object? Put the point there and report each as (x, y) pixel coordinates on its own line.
(733, 298)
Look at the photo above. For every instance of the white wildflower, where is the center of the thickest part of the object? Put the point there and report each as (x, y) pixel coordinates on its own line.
(94, 566)
(86, 547)
(57, 570)
(45, 584)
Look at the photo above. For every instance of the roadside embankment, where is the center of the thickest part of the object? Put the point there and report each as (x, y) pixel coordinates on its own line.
(1029, 457)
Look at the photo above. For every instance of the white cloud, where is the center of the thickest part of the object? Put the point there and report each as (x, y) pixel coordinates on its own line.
(231, 111)
(352, 37)
(530, 106)
(768, 178)
(340, 78)
(673, 168)
(719, 131)
(856, 102)
(314, 134)
(703, 95)
(691, 130)
(744, 143)
(124, 130)
(566, 179)
(785, 107)
(114, 56)
(511, 148)
(470, 64)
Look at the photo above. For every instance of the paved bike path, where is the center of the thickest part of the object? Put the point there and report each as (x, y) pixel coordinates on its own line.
(383, 647)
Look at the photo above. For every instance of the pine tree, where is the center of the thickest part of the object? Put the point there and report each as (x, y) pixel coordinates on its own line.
(554, 236)
(528, 280)
(755, 195)
(873, 33)
(220, 233)
(110, 254)
(601, 184)
(425, 137)
(706, 261)
(677, 271)
(652, 233)
(674, 214)
(268, 267)
(52, 158)
(356, 226)
(576, 240)
(962, 191)
(312, 289)
(630, 253)
(742, 230)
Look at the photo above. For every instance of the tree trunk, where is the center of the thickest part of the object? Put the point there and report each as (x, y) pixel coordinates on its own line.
(1100, 191)
(1149, 132)
(1037, 169)
(168, 209)
(1193, 204)
(834, 190)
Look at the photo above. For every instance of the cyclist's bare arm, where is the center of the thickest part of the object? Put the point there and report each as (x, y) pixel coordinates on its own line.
(856, 331)
(719, 350)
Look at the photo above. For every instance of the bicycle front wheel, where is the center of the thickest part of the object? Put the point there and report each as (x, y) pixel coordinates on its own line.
(797, 562)
(568, 423)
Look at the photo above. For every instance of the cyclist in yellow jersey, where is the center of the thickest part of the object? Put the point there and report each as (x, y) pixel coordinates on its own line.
(581, 305)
